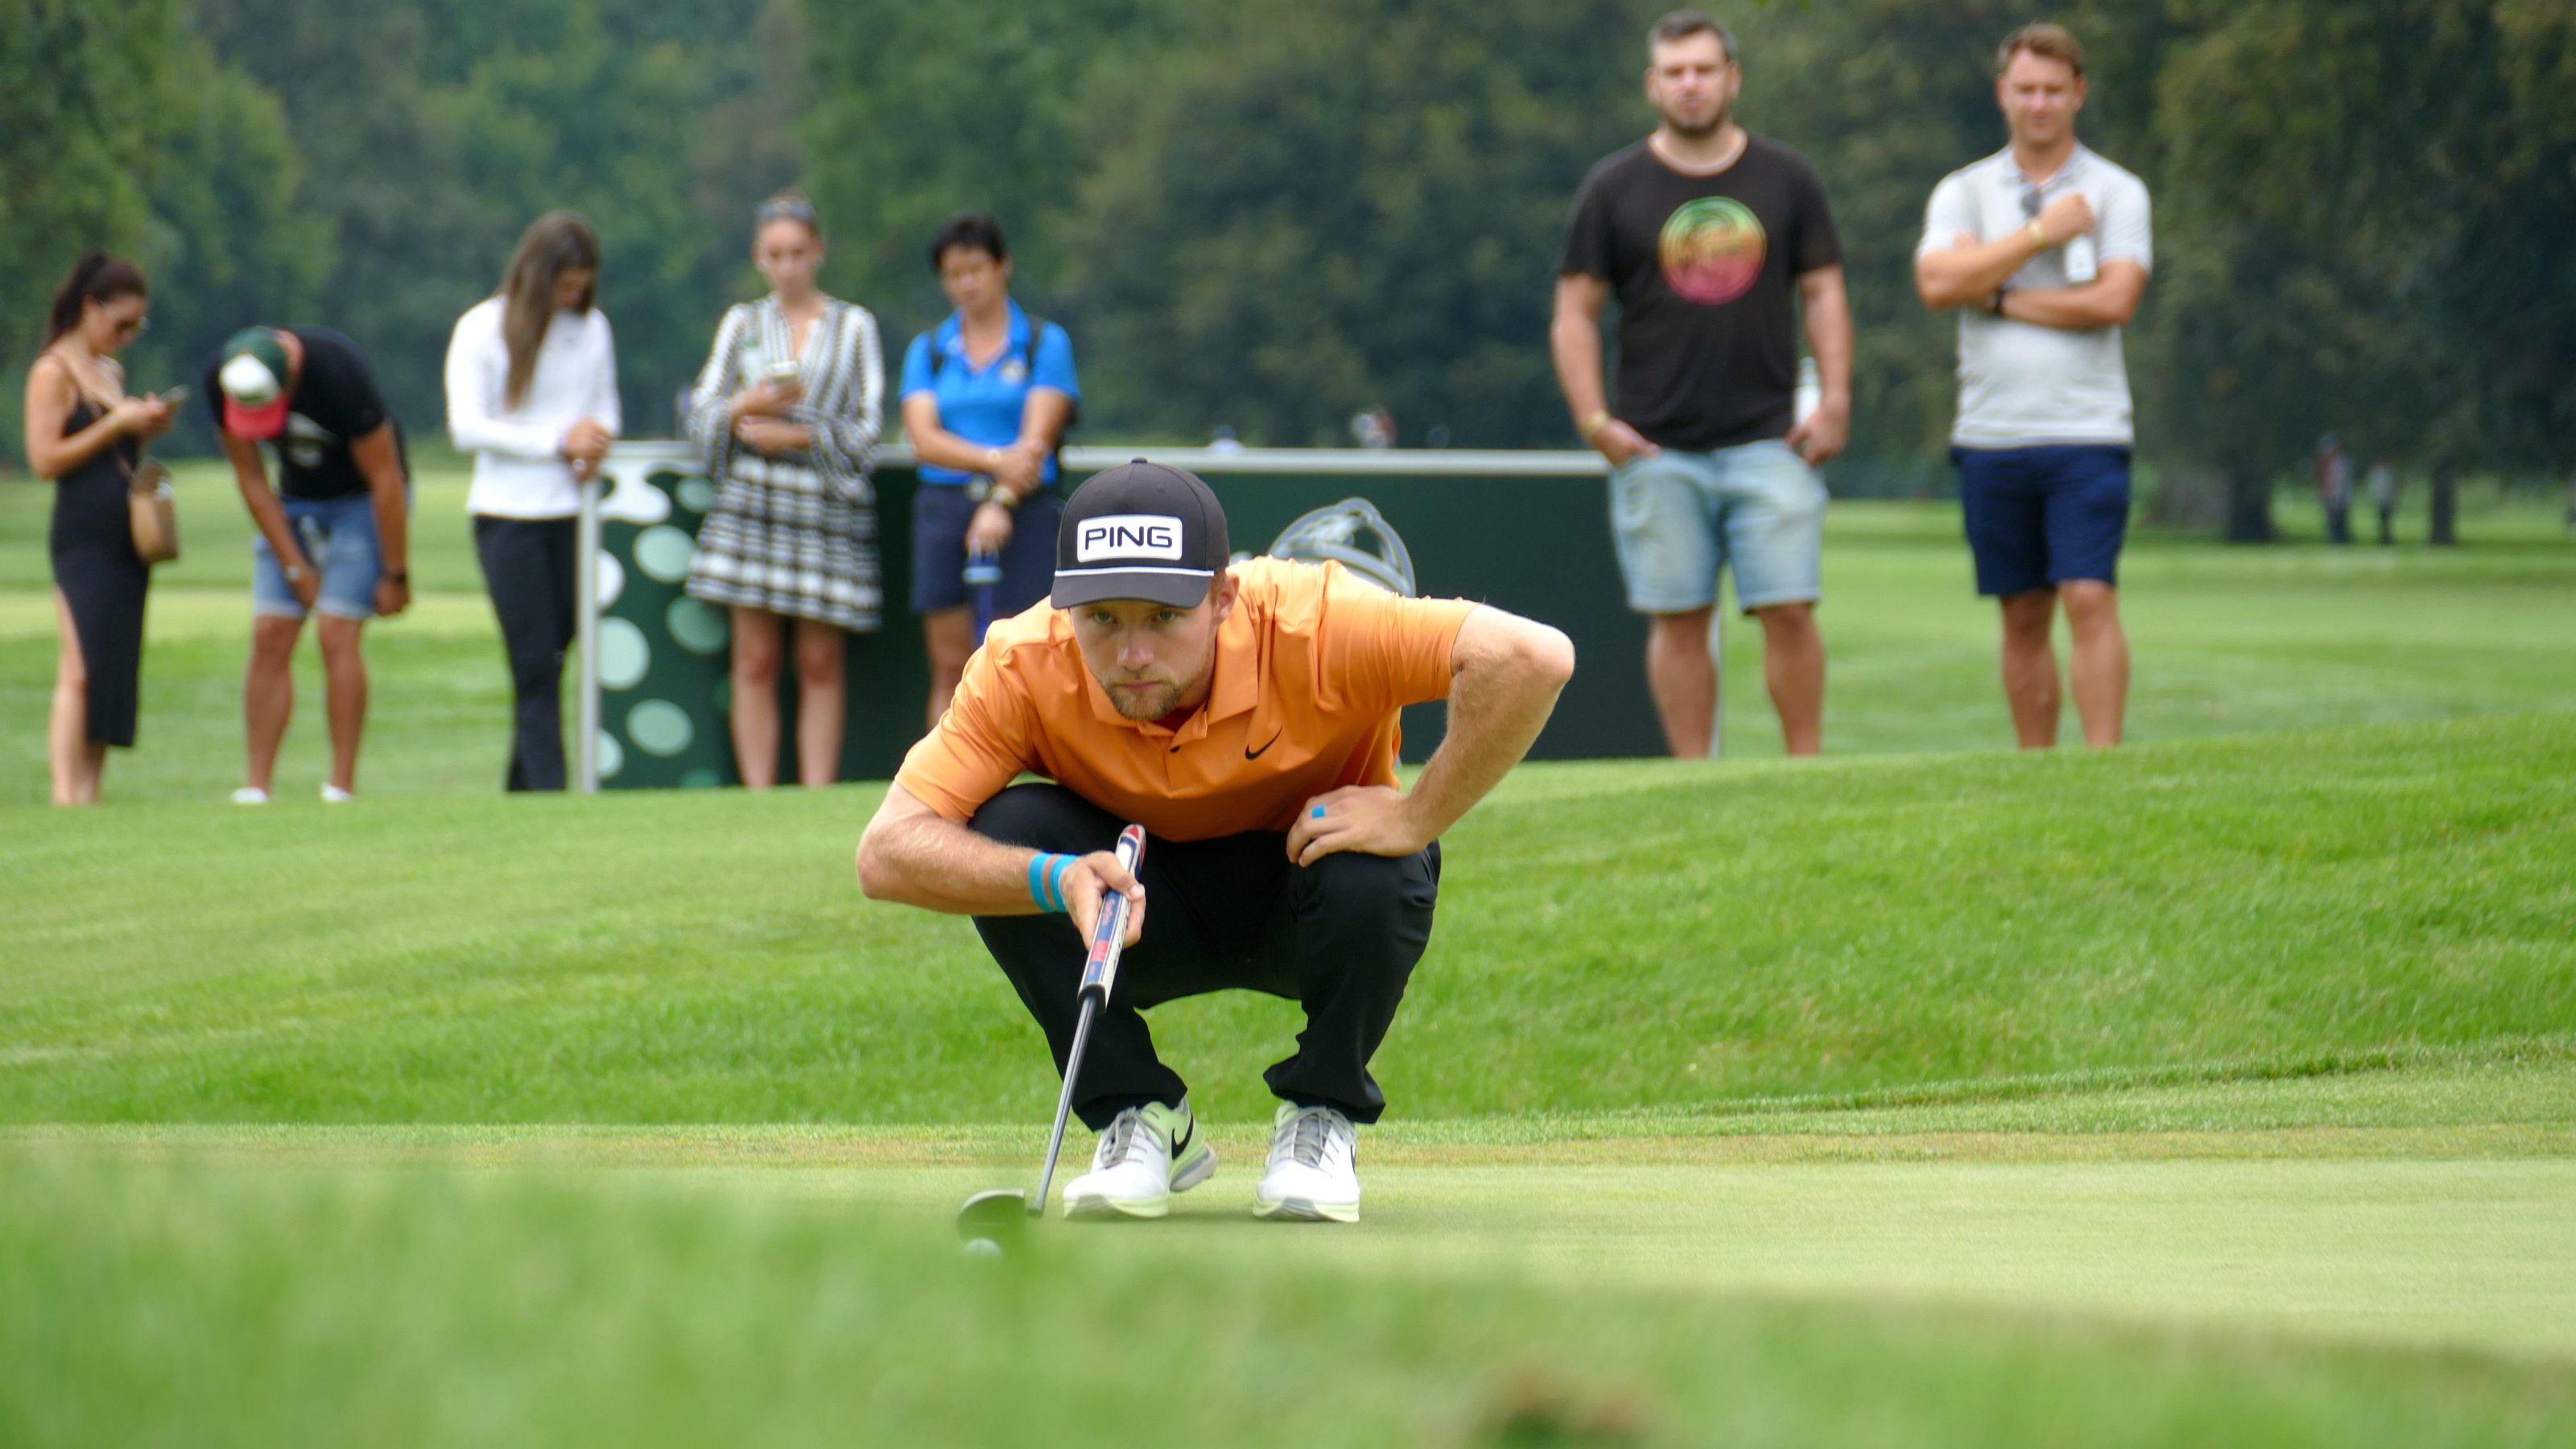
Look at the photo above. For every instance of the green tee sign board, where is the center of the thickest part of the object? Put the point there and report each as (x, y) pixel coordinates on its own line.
(1528, 532)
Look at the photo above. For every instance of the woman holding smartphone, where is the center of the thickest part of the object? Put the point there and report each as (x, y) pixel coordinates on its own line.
(787, 410)
(532, 394)
(87, 435)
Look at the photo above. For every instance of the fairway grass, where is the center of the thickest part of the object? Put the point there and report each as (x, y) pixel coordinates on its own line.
(2256, 1269)
(1612, 937)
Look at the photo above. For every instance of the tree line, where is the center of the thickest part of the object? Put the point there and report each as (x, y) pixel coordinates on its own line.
(1273, 214)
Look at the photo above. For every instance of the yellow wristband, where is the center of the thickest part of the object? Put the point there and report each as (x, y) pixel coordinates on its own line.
(1593, 424)
(2037, 237)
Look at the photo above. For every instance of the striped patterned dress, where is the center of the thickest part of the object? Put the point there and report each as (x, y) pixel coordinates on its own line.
(795, 534)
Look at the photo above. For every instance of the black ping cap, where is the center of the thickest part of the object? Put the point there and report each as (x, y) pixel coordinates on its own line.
(1139, 531)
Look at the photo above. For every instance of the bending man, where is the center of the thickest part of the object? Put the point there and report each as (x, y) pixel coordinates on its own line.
(1247, 717)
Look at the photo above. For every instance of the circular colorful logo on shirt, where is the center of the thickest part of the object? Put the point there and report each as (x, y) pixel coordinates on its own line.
(1712, 249)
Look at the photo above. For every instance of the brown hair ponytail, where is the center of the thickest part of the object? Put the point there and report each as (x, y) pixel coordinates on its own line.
(95, 277)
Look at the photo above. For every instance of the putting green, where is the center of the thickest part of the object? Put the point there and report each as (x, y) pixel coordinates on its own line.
(2429, 1232)
(2375, 1257)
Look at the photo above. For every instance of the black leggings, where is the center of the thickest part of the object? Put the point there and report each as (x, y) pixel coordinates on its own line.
(1340, 937)
(528, 564)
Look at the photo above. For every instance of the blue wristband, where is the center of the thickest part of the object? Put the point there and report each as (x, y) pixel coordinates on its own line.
(1037, 864)
(1055, 880)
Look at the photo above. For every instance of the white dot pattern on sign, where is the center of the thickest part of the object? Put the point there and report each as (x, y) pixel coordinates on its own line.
(623, 654)
(695, 627)
(612, 578)
(659, 727)
(612, 756)
(632, 500)
(697, 494)
(700, 778)
(663, 552)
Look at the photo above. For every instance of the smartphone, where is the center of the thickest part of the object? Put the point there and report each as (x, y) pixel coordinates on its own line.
(783, 373)
(176, 395)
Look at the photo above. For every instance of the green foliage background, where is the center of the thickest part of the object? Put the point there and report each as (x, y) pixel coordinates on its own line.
(1272, 214)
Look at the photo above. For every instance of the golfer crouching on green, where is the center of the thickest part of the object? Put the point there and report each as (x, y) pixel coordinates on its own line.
(1247, 717)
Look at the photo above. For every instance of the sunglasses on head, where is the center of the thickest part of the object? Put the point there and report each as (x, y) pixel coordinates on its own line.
(785, 211)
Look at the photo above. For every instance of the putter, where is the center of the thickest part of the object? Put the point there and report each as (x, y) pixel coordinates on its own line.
(994, 1216)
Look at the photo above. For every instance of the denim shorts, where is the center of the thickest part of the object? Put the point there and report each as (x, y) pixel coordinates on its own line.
(339, 539)
(2037, 517)
(1678, 518)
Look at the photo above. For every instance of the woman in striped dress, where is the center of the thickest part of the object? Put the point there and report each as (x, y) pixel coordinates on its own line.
(787, 410)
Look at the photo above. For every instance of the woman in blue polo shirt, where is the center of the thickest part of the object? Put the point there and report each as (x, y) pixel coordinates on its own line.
(987, 396)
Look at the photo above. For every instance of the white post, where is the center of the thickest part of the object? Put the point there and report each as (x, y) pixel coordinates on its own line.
(585, 612)
(1717, 663)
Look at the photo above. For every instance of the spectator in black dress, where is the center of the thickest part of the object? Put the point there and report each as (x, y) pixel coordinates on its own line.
(86, 434)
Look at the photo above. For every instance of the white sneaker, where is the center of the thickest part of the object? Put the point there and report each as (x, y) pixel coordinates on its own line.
(250, 795)
(334, 795)
(1312, 1176)
(1148, 1153)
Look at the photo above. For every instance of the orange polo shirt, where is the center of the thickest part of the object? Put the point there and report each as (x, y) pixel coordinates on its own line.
(1311, 669)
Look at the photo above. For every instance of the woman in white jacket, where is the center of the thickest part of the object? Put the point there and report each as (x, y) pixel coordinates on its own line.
(532, 394)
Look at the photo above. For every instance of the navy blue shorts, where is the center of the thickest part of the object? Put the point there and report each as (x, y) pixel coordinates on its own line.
(2038, 517)
(940, 513)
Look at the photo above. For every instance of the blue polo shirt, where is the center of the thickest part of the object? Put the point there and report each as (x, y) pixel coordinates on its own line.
(984, 406)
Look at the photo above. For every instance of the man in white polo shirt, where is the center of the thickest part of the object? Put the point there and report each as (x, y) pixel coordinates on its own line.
(2044, 249)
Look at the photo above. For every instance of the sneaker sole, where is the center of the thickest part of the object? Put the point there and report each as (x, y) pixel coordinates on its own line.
(1306, 1210)
(1091, 1205)
(1198, 1170)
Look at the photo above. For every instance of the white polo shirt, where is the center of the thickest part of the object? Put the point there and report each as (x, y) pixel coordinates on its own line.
(2021, 383)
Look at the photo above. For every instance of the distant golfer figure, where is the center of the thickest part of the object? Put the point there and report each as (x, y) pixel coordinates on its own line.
(2044, 249)
(2334, 488)
(1247, 717)
(1717, 243)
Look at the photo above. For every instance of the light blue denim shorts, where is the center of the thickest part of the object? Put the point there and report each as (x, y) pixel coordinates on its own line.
(1678, 518)
(339, 539)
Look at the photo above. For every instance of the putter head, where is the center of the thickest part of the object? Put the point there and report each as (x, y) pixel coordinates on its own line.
(999, 1216)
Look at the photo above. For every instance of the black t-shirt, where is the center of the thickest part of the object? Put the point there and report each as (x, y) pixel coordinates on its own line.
(1704, 268)
(334, 404)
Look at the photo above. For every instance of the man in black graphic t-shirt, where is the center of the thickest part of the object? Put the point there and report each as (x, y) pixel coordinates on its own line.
(333, 535)
(1715, 241)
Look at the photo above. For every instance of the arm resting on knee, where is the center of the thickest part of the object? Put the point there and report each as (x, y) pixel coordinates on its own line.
(1506, 672)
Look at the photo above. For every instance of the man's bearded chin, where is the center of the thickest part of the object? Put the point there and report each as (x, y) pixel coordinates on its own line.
(1700, 130)
(1144, 707)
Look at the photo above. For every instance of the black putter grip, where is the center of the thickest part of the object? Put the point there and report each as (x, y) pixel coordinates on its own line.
(1109, 933)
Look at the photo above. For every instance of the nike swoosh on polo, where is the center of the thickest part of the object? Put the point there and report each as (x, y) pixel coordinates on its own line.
(1251, 754)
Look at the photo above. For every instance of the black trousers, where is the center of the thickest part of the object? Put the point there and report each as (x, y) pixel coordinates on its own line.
(528, 565)
(1339, 937)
